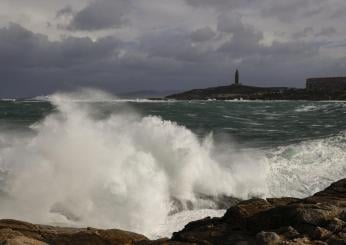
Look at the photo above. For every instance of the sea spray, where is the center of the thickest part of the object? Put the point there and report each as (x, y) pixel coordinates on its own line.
(96, 162)
(120, 171)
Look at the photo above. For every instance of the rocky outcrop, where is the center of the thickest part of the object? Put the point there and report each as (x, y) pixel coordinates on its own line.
(319, 219)
(234, 92)
(14, 232)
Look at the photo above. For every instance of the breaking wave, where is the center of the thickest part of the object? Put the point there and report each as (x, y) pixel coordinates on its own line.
(132, 172)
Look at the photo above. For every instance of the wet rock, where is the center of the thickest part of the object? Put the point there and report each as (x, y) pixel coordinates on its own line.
(320, 234)
(240, 213)
(288, 233)
(336, 225)
(267, 238)
(318, 219)
(281, 201)
(338, 238)
(343, 216)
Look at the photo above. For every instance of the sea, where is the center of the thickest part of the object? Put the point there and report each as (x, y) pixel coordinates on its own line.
(88, 158)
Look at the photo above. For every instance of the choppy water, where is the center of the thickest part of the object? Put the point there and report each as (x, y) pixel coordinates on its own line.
(90, 159)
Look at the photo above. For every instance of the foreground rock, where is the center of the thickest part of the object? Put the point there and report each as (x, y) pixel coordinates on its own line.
(320, 219)
(14, 232)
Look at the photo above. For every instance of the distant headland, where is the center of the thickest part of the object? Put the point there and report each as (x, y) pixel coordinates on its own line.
(324, 88)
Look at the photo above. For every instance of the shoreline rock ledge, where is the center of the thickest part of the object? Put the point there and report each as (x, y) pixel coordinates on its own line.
(319, 219)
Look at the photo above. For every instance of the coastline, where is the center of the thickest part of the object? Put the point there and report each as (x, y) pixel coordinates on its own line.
(242, 92)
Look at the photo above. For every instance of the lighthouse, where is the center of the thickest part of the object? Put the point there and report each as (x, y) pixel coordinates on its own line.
(236, 77)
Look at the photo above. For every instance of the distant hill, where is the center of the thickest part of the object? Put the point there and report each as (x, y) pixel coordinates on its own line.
(235, 91)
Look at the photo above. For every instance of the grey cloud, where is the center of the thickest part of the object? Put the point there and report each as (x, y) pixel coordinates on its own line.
(246, 45)
(327, 31)
(292, 49)
(338, 13)
(172, 44)
(66, 11)
(245, 38)
(100, 14)
(202, 34)
(32, 64)
(24, 49)
(337, 10)
(294, 10)
(307, 31)
(167, 44)
(223, 4)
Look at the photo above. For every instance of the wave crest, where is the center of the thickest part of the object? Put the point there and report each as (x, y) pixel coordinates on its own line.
(120, 171)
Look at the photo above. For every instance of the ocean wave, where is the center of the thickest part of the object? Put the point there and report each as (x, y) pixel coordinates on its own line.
(321, 106)
(129, 172)
(300, 170)
(121, 171)
(306, 108)
(92, 95)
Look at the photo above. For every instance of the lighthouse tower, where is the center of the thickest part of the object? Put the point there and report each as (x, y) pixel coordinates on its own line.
(236, 77)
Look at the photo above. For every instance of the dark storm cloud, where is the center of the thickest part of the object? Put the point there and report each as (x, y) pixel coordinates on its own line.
(31, 60)
(164, 45)
(100, 14)
(32, 65)
(20, 48)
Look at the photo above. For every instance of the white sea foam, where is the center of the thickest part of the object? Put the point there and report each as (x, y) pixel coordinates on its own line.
(123, 171)
(320, 107)
(302, 169)
(176, 222)
(91, 95)
(306, 108)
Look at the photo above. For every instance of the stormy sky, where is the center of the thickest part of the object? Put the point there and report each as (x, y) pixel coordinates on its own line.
(129, 45)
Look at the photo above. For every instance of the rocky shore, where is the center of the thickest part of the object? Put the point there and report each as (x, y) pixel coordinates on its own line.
(319, 219)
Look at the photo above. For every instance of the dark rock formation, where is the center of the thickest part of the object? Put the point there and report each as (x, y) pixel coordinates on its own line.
(235, 91)
(332, 84)
(319, 219)
(258, 93)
